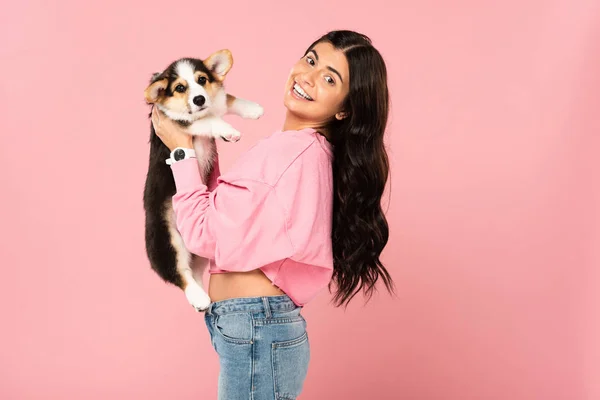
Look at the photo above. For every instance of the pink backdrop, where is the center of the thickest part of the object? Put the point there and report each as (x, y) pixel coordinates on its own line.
(494, 208)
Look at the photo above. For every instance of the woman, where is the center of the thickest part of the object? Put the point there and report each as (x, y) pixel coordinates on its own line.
(298, 212)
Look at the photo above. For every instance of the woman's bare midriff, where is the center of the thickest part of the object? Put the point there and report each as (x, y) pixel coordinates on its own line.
(241, 284)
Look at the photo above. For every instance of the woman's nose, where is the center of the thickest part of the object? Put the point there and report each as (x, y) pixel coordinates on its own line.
(308, 78)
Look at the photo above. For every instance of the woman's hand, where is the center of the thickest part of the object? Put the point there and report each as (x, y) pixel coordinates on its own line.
(171, 134)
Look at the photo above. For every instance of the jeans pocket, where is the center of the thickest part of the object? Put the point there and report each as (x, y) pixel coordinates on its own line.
(234, 328)
(290, 366)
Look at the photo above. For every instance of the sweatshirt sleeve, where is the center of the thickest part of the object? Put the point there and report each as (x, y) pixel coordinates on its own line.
(240, 224)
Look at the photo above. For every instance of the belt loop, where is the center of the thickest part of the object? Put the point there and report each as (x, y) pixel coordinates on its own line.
(267, 307)
(209, 309)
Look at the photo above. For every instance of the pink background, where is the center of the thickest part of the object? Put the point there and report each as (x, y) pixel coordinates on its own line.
(494, 208)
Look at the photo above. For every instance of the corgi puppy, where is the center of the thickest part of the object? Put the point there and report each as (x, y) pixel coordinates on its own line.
(191, 92)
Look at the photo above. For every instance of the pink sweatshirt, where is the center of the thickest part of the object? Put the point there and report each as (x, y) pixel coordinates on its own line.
(272, 210)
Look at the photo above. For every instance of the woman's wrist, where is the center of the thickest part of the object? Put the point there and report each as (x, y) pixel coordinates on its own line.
(186, 144)
(187, 175)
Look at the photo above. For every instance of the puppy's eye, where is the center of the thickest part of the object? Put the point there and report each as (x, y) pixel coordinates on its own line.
(180, 88)
(202, 80)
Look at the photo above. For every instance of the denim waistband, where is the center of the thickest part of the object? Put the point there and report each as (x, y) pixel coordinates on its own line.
(252, 304)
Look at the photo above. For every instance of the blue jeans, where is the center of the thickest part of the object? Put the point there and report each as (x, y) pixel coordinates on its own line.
(262, 345)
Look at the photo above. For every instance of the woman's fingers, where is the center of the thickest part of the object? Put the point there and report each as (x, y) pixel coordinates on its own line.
(155, 117)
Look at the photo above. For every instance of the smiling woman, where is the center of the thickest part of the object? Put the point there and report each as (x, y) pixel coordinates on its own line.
(317, 87)
(299, 212)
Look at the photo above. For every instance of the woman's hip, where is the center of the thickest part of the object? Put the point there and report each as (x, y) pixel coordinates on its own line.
(263, 346)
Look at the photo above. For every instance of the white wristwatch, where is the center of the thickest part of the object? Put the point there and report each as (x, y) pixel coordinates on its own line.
(180, 153)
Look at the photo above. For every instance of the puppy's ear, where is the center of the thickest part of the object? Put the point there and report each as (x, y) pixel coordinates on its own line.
(220, 63)
(153, 92)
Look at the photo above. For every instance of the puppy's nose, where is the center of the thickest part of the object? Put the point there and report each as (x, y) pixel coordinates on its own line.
(199, 100)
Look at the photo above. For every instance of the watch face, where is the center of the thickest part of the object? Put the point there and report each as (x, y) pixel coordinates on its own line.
(179, 154)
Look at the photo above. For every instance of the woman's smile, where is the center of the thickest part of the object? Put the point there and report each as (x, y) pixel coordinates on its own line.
(300, 93)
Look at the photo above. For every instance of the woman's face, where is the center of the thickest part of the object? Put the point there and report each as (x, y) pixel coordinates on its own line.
(317, 85)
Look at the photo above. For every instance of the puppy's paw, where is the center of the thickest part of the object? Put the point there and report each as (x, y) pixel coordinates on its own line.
(197, 297)
(251, 110)
(226, 131)
(232, 137)
(246, 109)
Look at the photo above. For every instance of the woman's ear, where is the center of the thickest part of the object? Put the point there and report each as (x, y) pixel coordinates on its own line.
(341, 115)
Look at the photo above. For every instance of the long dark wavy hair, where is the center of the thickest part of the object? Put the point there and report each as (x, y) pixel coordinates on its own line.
(360, 170)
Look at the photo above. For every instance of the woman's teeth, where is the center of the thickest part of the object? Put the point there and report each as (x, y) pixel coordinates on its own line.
(298, 90)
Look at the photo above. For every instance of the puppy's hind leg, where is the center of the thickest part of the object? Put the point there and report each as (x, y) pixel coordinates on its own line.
(193, 288)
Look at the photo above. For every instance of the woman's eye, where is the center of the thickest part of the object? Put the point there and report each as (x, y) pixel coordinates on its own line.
(310, 60)
(329, 80)
(180, 88)
(202, 80)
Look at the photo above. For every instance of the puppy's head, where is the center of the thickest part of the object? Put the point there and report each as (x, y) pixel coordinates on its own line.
(190, 88)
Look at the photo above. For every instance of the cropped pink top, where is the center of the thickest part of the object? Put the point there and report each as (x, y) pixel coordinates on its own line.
(272, 210)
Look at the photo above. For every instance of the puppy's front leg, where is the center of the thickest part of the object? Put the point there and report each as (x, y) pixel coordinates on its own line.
(214, 127)
(244, 108)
